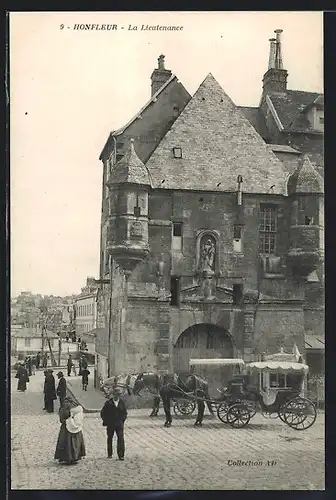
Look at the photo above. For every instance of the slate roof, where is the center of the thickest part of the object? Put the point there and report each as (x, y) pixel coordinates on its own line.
(291, 107)
(152, 99)
(256, 118)
(305, 179)
(218, 144)
(129, 169)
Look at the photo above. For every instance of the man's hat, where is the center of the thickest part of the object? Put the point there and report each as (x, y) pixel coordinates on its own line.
(60, 374)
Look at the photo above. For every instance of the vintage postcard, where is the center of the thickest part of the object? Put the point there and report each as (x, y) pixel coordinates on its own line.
(167, 250)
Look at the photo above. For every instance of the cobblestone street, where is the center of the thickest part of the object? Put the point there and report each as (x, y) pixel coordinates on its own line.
(181, 457)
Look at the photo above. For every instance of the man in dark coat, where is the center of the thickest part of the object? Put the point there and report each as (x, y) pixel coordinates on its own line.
(114, 414)
(45, 361)
(85, 378)
(69, 365)
(49, 391)
(23, 377)
(38, 360)
(84, 363)
(61, 388)
(29, 365)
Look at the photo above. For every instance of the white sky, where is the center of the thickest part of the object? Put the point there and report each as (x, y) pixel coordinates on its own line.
(69, 89)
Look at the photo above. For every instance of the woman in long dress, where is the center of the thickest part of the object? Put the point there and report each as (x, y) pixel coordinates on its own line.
(49, 391)
(70, 444)
(22, 375)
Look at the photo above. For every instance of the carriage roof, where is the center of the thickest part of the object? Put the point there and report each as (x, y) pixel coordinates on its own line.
(216, 361)
(279, 366)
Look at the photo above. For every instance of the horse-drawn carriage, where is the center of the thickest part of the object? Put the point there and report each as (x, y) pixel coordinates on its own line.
(275, 389)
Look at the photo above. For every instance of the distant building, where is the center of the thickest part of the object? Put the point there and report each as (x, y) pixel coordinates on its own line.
(86, 308)
(25, 341)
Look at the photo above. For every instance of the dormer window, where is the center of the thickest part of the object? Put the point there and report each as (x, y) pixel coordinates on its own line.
(177, 152)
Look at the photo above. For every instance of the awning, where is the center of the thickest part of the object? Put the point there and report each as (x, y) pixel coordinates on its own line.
(314, 342)
(216, 361)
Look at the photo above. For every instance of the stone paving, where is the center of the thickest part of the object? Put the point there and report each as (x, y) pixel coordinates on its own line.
(181, 457)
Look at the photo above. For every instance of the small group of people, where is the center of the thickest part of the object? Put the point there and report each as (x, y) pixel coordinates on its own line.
(83, 370)
(70, 447)
(51, 392)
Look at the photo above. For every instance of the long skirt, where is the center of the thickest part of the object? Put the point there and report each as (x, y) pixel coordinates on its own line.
(22, 385)
(49, 403)
(70, 447)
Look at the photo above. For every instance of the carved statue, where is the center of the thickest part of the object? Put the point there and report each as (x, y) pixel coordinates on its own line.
(208, 252)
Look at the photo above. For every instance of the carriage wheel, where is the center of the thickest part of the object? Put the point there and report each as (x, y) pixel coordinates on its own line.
(252, 407)
(184, 407)
(299, 413)
(238, 415)
(222, 410)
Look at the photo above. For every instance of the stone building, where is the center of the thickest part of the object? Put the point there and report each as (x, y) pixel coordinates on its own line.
(212, 226)
(86, 308)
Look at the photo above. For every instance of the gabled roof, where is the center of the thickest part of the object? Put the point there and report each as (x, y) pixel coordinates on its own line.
(129, 169)
(305, 179)
(138, 114)
(291, 109)
(218, 144)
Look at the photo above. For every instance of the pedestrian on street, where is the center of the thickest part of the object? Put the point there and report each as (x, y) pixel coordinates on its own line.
(61, 388)
(29, 365)
(45, 361)
(74, 367)
(69, 365)
(70, 443)
(85, 378)
(114, 414)
(84, 363)
(49, 391)
(33, 366)
(38, 360)
(44, 394)
(22, 375)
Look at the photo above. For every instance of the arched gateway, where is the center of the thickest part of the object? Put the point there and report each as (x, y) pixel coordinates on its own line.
(201, 341)
(204, 341)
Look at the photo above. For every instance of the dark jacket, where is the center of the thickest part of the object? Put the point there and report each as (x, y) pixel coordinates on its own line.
(49, 386)
(112, 415)
(61, 388)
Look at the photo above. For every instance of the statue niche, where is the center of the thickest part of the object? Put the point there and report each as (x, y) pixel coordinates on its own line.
(207, 254)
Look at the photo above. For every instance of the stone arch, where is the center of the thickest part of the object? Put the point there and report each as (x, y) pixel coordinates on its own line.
(201, 340)
(205, 340)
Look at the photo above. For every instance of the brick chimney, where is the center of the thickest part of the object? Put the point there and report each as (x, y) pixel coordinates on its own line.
(275, 78)
(160, 75)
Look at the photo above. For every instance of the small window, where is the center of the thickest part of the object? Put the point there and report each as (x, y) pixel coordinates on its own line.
(175, 291)
(237, 230)
(238, 297)
(176, 111)
(137, 211)
(321, 120)
(177, 152)
(237, 238)
(177, 229)
(309, 220)
(177, 237)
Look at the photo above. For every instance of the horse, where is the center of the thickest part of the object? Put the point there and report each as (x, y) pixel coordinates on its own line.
(165, 387)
